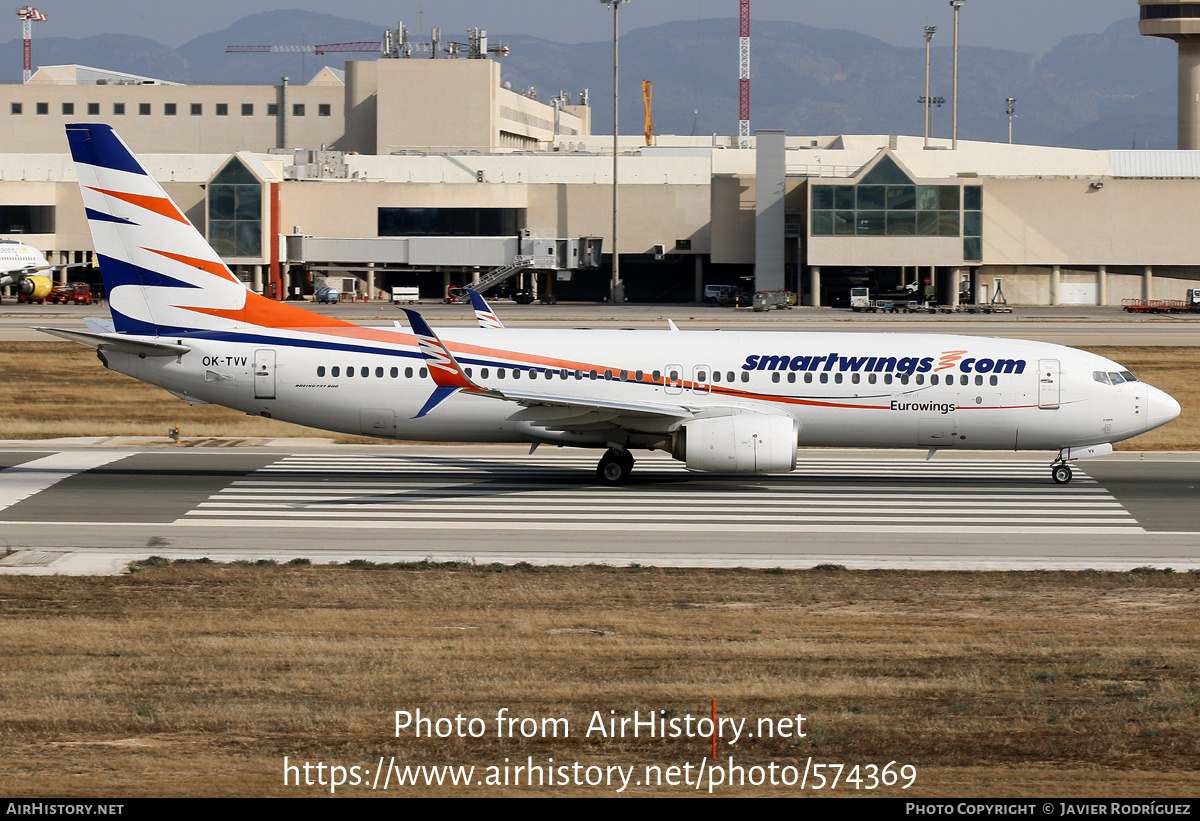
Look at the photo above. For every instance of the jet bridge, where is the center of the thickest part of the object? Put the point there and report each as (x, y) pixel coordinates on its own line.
(487, 261)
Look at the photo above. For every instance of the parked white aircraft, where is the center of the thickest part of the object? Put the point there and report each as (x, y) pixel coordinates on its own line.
(21, 266)
(720, 401)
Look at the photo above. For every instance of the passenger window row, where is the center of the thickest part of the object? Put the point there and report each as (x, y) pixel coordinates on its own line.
(364, 372)
(351, 371)
(903, 379)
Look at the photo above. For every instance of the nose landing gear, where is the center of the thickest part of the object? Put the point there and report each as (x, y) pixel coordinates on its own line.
(1060, 471)
(615, 467)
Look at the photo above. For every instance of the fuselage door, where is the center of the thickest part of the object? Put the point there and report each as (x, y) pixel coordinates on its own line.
(700, 384)
(264, 374)
(1048, 384)
(673, 379)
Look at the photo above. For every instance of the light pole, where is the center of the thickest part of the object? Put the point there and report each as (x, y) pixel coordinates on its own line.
(956, 5)
(930, 102)
(929, 32)
(1010, 108)
(616, 259)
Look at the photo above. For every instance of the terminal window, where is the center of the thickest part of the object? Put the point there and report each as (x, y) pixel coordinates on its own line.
(1169, 11)
(973, 223)
(43, 108)
(885, 202)
(446, 222)
(68, 108)
(93, 109)
(222, 109)
(324, 110)
(298, 109)
(16, 108)
(247, 109)
(197, 109)
(169, 109)
(272, 109)
(144, 109)
(235, 212)
(26, 219)
(119, 109)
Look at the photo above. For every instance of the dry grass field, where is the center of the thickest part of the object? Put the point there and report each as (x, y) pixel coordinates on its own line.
(60, 389)
(165, 682)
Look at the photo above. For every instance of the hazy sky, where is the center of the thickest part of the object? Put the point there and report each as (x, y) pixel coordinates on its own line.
(1024, 25)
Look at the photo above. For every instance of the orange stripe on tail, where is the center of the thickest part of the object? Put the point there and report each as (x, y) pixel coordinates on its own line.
(208, 266)
(159, 205)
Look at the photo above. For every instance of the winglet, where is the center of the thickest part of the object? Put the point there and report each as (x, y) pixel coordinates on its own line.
(483, 312)
(447, 374)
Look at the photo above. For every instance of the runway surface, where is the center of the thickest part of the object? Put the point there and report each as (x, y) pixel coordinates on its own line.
(1066, 325)
(94, 509)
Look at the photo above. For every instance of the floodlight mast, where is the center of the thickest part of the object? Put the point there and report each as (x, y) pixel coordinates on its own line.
(956, 5)
(929, 32)
(616, 260)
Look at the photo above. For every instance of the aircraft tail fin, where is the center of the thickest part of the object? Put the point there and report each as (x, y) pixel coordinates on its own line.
(161, 276)
(484, 314)
(447, 374)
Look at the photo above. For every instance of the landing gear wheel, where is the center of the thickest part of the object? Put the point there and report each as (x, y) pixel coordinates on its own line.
(615, 467)
(1061, 473)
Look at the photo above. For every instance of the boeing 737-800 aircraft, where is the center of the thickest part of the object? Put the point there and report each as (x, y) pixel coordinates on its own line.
(22, 266)
(720, 401)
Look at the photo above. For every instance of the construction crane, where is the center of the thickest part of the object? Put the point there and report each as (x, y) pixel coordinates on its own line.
(325, 49)
(29, 15)
(395, 44)
(647, 98)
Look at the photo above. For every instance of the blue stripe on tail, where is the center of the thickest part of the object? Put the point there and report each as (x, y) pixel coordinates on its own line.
(97, 144)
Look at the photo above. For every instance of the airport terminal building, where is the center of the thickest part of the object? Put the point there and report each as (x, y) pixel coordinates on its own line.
(431, 173)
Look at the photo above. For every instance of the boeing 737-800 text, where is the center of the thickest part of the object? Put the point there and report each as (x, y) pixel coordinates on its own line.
(720, 401)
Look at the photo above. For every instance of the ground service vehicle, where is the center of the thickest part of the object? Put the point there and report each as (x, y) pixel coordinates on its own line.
(79, 293)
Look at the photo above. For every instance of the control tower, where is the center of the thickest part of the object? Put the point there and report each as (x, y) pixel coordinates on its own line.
(1180, 21)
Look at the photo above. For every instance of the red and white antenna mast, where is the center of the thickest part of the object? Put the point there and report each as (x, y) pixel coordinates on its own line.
(28, 15)
(744, 76)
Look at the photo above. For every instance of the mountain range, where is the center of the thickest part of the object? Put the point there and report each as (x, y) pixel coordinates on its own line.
(1115, 89)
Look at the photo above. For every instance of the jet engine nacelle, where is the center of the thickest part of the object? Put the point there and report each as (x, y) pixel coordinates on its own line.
(742, 443)
(34, 287)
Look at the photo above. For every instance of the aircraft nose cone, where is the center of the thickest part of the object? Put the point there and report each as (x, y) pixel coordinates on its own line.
(1161, 408)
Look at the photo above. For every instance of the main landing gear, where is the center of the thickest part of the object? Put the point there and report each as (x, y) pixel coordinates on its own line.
(1060, 471)
(615, 467)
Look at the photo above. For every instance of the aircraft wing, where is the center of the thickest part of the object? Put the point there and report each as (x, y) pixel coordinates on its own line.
(137, 345)
(573, 413)
(17, 274)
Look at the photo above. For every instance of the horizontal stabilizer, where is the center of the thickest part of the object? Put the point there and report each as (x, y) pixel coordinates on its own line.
(138, 346)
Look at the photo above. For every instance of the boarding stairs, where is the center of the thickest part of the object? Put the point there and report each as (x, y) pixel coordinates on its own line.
(519, 263)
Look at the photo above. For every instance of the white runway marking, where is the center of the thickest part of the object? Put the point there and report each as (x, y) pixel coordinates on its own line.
(22, 481)
(555, 492)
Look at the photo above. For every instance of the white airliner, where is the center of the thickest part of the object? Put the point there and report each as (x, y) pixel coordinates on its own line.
(720, 401)
(21, 266)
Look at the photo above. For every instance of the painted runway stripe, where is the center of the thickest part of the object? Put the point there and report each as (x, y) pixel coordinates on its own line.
(687, 505)
(650, 527)
(859, 495)
(24, 480)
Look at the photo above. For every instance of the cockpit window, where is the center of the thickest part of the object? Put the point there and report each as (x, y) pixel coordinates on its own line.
(1116, 378)
(1128, 376)
(1101, 377)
